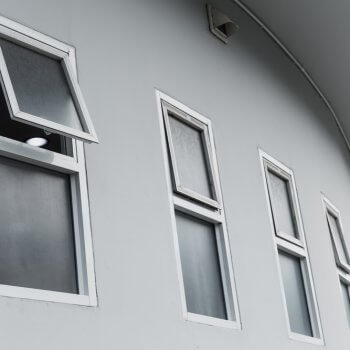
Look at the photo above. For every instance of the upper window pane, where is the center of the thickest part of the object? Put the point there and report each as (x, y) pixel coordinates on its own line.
(190, 156)
(298, 312)
(42, 90)
(37, 247)
(40, 85)
(200, 267)
(336, 234)
(282, 205)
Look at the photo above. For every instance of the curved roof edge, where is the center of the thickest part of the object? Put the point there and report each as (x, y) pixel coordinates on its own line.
(290, 55)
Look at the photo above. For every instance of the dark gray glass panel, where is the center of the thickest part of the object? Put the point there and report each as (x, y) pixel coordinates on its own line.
(200, 267)
(190, 157)
(36, 233)
(281, 203)
(40, 85)
(298, 311)
(346, 296)
(334, 226)
(22, 132)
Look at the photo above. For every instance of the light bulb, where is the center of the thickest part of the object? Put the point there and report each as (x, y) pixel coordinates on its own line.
(37, 141)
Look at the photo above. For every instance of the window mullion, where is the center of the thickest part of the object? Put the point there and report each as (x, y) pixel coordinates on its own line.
(290, 248)
(196, 210)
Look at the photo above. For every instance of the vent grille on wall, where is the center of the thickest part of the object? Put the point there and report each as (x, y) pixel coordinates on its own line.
(220, 25)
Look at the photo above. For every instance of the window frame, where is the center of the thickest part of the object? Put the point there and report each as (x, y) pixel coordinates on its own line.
(345, 279)
(201, 125)
(60, 52)
(75, 167)
(294, 247)
(331, 209)
(343, 272)
(271, 167)
(204, 212)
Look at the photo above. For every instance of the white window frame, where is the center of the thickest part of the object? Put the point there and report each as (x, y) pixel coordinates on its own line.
(74, 166)
(344, 278)
(208, 214)
(291, 191)
(343, 270)
(331, 209)
(59, 52)
(202, 126)
(296, 248)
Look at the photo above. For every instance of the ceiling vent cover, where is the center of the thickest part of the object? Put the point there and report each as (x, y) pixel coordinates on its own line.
(220, 25)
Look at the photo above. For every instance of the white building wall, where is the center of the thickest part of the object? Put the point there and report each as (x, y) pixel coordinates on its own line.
(256, 98)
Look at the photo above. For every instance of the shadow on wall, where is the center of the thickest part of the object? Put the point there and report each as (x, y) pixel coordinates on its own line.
(259, 66)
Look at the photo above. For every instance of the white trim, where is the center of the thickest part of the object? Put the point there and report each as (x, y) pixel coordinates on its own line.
(86, 226)
(196, 210)
(202, 125)
(343, 271)
(213, 215)
(331, 209)
(299, 251)
(44, 295)
(37, 156)
(306, 339)
(344, 277)
(211, 321)
(73, 166)
(287, 176)
(290, 248)
(39, 37)
(24, 38)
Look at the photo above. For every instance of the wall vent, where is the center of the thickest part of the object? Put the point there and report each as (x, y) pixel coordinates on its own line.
(220, 25)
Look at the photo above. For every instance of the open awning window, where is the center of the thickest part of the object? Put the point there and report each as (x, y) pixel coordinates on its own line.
(42, 90)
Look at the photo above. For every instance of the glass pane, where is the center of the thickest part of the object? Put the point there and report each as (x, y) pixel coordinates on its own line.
(200, 267)
(40, 85)
(36, 238)
(281, 203)
(22, 132)
(190, 157)
(333, 223)
(346, 296)
(294, 289)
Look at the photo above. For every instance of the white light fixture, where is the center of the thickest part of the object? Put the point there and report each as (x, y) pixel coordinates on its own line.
(37, 141)
(220, 25)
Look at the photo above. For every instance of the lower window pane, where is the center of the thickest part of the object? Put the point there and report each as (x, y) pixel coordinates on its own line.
(36, 237)
(346, 296)
(298, 311)
(200, 267)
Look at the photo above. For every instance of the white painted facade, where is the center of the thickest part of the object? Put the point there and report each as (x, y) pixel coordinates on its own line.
(256, 99)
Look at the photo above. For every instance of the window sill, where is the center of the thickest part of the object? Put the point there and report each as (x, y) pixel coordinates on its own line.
(212, 321)
(306, 339)
(48, 296)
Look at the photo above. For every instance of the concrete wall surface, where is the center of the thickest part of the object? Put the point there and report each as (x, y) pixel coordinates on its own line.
(256, 98)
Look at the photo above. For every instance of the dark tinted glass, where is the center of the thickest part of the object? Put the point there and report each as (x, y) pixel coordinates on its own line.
(298, 311)
(190, 157)
(22, 132)
(200, 267)
(282, 206)
(36, 232)
(40, 85)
